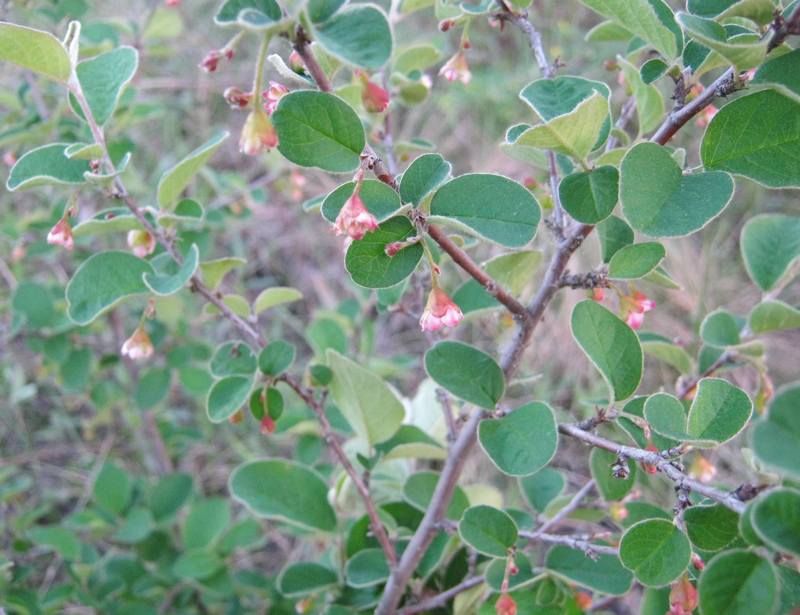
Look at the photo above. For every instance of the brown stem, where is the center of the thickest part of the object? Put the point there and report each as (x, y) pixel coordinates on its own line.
(564, 512)
(440, 600)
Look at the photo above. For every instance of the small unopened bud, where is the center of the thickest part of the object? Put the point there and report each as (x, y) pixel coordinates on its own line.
(210, 62)
(236, 98)
(138, 346)
(267, 425)
(141, 242)
(598, 294)
(583, 600)
(9, 159)
(649, 467)
(374, 98)
(617, 511)
(446, 24)
(393, 248)
(610, 65)
(702, 469)
(296, 62)
(505, 605)
(698, 562)
(683, 597)
(172, 3)
(94, 165)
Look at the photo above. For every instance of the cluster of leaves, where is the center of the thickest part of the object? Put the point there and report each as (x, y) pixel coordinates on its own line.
(390, 527)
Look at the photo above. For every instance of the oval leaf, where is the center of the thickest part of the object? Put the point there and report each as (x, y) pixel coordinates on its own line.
(227, 396)
(47, 164)
(369, 265)
(468, 373)
(489, 531)
(591, 196)
(655, 551)
(35, 50)
(738, 583)
(174, 181)
(168, 284)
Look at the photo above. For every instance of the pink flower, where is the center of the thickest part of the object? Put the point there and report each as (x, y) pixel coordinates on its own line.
(272, 96)
(141, 243)
(9, 159)
(374, 97)
(258, 134)
(598, 294)
(706, 115)
(172, 3)
(702, 469)
(354, 219)
(682, 597)
(296, 62)
(61, 234)
(635, 320)
(505, 605)
(138, 346)
(236, 98)
(210, 63)
(267, 425)
(457, 68)
(636, 306)
(440, 311)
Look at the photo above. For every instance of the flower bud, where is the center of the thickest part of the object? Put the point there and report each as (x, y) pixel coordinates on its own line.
(505, 605)
(583, 600)
(457, 68)
(706, 115)
(172, 3)
(374, 98)
(138, 346)
(682, 597)
(141, 243)
(702, 469)
(267, 425)
(649, 467)
(61, 234)
(258, 134)
(598, 294)
(272, 96)
(440, 311)
(210, 63)
(354, 219)
(697, 561)
(446, 24)
(236, 98)
(9, 159)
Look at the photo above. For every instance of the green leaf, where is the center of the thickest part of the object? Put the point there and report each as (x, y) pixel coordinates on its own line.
(653, 70)
(649, 101)
(46, 165)
(601, 573)
(655, 551)
(370, 266)
(614, 234)
(711, 528)
(718, 413)
(305, 578)
(321, 10)
(317, 129)
(112, 488)
(284, 490)
(744, 51)
(492, 206)
(650, 20)
(232, 359)
(205, 523)
(574, 133)
(416, 57)
(137, 526)
(168, 495)
(112, 220)
(776, 438)
(590, 197)
(187, 211)
(512, 271)
(781, 73)
(171, 283)
(542, 488)
(776, 519)
(422, 177)
(770, 245)
(737, 582)
(366, 568)
(756, 136)
(381, 200)
(35, 50)
(277, 295)
(669, 353)
(196, 565)
(102, 281)
(359, 35)
(488, 530)
(635, 261)
(760, 11)
(720, 328)
(495, 572)
(610, 487)
(660, 201)
(250, 14)
(611, 345)
(774, 315)
(35, 302)
(276, 357)
(468, 373)
(368, 404)
(152, 388)
(174, 181)
(103, 78)
(59, 539)
(226, 396)
(418, 491)
(214, 271)
(522, 442)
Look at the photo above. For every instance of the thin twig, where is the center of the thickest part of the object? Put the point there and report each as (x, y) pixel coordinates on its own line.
(442, 599)
(579, 543)
(564, 512)
(686, 387)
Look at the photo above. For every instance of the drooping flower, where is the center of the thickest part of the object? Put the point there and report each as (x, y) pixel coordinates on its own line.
(138, 346)
(267, 425)
(141, 242)
(272, 96)
(505, 605)
(61, 234)
(354, 219)
(457, 68)
(635, 307)
(374, 98)
(682, 597)
(440, 311)
(236, 98)
(258, 134)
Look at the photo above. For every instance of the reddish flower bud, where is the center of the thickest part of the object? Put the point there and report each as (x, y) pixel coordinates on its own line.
(636, 306)
(210, 63)
(393, 248)
(457, 68)
(610, 65)
(440, 311)
(598, 294)
(465, 44)
(236, 418)
(9, 159)
(446, 24)
(236, 98)
(138, 346)
(706, 115)
(583, 600)
(61, 234)
(141, 243)
(354, 219)
(267, 425)
(172, 3)
(296, 62)
(374, 98)
(505, 605)
(682, 597)
(272, 96)
(698, 562)
(258, 134)
(617, 511)
(649, 467)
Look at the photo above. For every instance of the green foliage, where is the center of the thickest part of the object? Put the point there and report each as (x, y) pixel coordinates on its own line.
(655, 551)
(465, 371)
(487, 530)
(737, 582)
